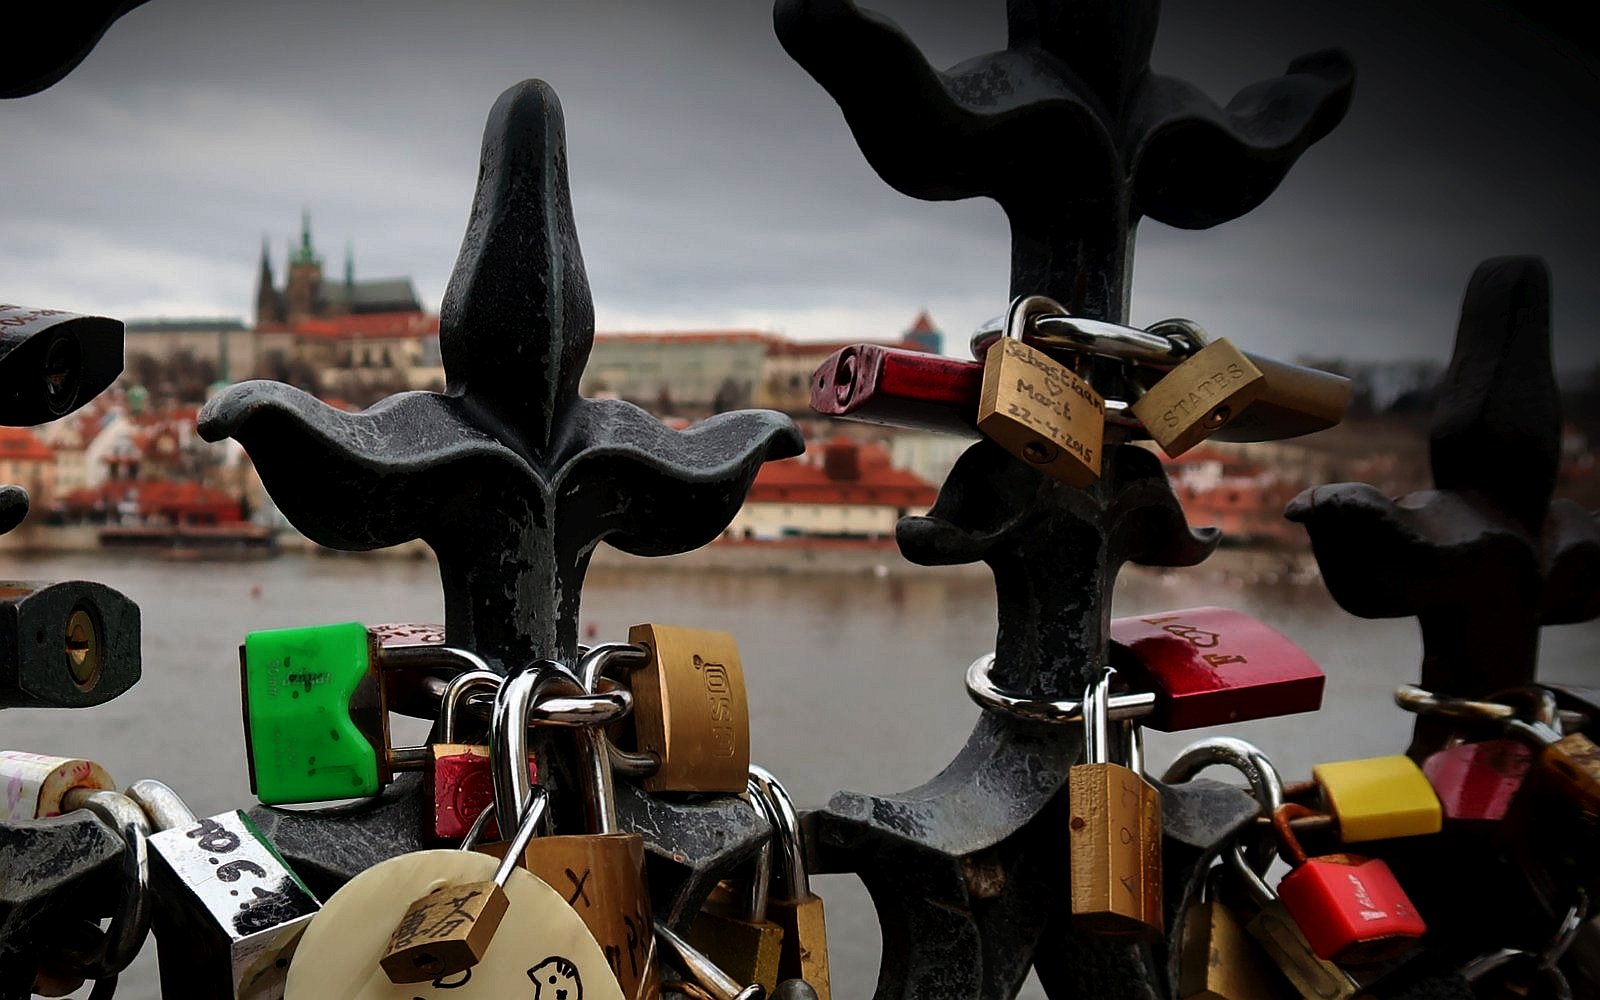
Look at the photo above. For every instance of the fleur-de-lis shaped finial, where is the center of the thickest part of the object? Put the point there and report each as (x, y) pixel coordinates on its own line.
(1486, 559)
(1067, 128)
(509, 474)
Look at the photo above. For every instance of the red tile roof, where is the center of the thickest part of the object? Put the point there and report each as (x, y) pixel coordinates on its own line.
(18, 444)
(849, 473)
(156, 496)
(365, 326)
(823, 348)
(923, 324)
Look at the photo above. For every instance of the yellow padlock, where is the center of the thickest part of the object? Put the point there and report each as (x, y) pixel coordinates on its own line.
(1378, 798)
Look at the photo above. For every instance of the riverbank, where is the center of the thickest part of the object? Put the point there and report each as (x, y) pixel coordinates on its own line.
(1269, 566)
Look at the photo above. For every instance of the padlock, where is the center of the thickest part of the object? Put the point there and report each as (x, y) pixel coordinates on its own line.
(34, 785)
(52, 362)
(732, 928)
(541, 948)
(1476, 782)
(689, 709)
(705, 975)
(1282, 940)
(1218, 958)
(790, 902)
(1292, 400)
(600, 874)
(1199, 397)
(1037, 408)
(458, 774)
(1114, 833)
(448, 931)
(1209, 666)
(1570, 763)
(899, 388)
(66, 645)
(317, 713)
(232, 910)
(1378, 798)
(1351, 908)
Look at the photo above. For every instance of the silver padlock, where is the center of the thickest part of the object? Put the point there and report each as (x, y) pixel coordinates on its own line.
(232, 910)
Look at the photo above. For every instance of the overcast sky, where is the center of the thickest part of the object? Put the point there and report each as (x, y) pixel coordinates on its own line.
(716, 184)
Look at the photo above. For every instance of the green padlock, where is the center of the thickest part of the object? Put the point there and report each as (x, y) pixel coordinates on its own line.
(316, 709)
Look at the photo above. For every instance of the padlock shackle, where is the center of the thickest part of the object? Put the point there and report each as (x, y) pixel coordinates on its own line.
(130, 924)
(982, 689)
(525, 685)
(1057, 330)
(1266, 784)
(565, 711)
(600, 794)
(1423, 702)
(1288, 842)
(790, 880)
(526, 827)
(701, 970)
(1096, 725)
(458, 688)
(165, 809)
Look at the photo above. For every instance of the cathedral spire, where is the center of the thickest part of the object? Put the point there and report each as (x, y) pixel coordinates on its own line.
(305, 253)
(268, 305)
(349, 264)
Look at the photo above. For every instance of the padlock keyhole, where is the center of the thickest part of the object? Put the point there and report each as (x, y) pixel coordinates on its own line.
(83, 647)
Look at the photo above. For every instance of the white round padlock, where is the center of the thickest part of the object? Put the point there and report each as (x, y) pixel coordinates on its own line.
(541, 951)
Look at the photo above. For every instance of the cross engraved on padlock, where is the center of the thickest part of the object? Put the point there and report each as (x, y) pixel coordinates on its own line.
(1037, 408)
(1199, 397)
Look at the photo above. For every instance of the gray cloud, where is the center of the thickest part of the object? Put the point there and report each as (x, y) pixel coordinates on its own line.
(716, 184)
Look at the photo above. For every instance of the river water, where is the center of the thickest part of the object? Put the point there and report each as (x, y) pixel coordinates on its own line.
(854, 681)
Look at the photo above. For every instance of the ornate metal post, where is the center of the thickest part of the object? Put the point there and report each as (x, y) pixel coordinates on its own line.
(1075, 137)
(1487, 558)
(511, 477)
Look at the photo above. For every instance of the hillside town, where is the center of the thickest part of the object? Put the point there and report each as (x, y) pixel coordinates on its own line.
(129, 470)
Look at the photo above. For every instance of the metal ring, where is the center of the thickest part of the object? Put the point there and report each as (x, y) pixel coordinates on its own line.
(981, 689)
(131, 923)
(524, 686)
(1266, 784)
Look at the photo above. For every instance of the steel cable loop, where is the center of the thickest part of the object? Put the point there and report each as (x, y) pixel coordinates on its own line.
(991, 698)
(130, 924)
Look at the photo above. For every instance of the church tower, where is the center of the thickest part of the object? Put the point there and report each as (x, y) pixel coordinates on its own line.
(303, 291)
(269, 306)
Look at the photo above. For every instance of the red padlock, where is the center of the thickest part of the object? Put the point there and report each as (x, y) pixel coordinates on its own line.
(1209, 666)
(458, 774)
(899, 388)
(1476, 782)
(1350, 908)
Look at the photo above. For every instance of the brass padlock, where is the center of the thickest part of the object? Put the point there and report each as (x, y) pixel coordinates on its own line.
(1218, 958)
(1037, 408)
(733, 930)
(1114, 832)
(448, 931)
(600, 874)
(1199, 397)
(690, 710)
(790, 902)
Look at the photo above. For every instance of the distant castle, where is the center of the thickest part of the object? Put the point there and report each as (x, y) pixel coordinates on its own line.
(305, 295)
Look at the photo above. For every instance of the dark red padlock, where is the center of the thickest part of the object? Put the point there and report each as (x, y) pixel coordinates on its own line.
(458, 774)
(1350, 908)
(1209, 666)
(899, 388)
(1476, 782)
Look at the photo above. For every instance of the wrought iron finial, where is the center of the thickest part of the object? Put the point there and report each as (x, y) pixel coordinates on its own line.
(1486, 559)
(1067, 128)
(973, 858)
(509, 475)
